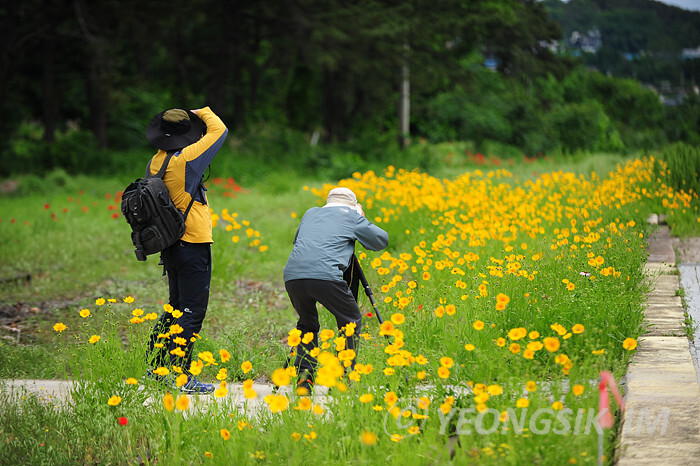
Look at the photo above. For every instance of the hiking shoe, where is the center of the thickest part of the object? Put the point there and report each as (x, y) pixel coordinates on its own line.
(304, 387)
(195, 387)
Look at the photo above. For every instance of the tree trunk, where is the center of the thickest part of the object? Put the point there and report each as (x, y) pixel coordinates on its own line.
(97, 103)
(333, 106)
(50, 102)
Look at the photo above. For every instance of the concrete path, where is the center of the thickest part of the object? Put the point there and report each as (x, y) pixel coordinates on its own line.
(661, 423)
(59, 391)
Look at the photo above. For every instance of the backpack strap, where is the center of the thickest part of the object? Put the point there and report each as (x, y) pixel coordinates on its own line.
(163, 167)
(160, 174)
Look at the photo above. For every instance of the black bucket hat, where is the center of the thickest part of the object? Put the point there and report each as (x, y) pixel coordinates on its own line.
(174, 129)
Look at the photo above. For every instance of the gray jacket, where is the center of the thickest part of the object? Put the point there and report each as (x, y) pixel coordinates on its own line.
(325, 242)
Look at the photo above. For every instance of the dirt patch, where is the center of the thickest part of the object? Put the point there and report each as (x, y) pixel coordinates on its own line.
(13, 313)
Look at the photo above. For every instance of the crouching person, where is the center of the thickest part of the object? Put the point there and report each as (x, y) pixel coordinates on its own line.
(323, 247)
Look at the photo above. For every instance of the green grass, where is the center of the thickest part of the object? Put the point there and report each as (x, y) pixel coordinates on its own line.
(565, 248)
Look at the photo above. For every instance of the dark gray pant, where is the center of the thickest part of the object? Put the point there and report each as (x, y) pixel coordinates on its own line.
(334, 296)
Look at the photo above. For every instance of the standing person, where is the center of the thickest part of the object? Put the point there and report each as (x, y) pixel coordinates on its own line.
(323, 247)
(194, 138)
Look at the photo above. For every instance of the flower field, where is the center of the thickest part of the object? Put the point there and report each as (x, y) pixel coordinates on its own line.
(502, 300)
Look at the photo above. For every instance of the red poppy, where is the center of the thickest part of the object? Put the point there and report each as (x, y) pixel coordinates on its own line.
(115, 215)
(123, 421)
(46, 206)
(369, 314)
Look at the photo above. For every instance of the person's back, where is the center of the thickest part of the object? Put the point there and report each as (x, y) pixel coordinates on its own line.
(325, 242)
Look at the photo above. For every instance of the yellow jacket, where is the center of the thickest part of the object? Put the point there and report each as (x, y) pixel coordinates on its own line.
(184, 174)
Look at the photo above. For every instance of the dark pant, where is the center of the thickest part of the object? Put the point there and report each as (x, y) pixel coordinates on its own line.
(188, 266)
(334, 296)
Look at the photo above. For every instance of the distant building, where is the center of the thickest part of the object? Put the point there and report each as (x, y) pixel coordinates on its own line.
(589, 42)
(690, 54)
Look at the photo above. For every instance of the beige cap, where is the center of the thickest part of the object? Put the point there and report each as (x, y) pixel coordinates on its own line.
(342, 196)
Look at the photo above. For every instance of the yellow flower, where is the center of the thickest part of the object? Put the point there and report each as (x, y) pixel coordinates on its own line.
(114, 400)
(557, 405)
(304, 404)
(478, 325)
(443, 372)
(162, 371)
(221, 392)
(629, 344)
(85, 313)
(570, 286)
(440, 311)
(225, 434)
(387, 328)
(421, 375)
(246, 366)
(494, 389)
(577, 389)
(398, 318)
(224, 355)
(182, 403)
(350, 329)
(208, 454)
(469, 347)
(446, 362)
(280, 377)
(534, 335)
(196, 367)
(598, 352)
(296, 436)
(552, 344)
(277, 403)
(168, 402)
(578, 328)
(100, 301)
(293, 340)
(514, 348)
(391, 398)
(501, 342)
(531, 386)
(368, 438)
(502, 298)
(128, 300)
(517, 333)
(522, 403)
(327, 334)
(94, 339)
(181, 380)
(528, 354)
(59, 327)
(131, 381)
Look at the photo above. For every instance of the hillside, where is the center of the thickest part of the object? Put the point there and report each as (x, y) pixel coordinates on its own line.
(643, 39)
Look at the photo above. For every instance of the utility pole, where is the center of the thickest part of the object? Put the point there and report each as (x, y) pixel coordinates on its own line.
(404, 101)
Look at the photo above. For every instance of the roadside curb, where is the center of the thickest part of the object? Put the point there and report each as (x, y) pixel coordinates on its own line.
(661, 422)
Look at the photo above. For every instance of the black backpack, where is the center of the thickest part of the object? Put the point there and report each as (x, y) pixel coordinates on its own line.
(155, 221)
